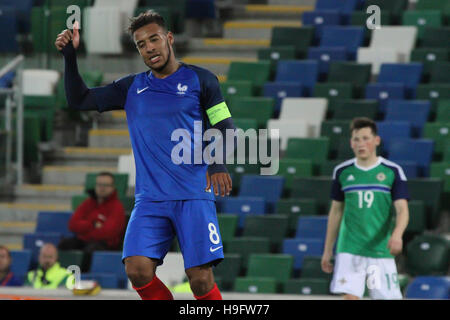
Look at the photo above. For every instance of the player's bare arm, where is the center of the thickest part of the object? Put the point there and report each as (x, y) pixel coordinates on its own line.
(395, 243)
(334, 222)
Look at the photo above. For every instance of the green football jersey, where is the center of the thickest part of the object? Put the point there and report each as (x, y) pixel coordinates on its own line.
(367, 193)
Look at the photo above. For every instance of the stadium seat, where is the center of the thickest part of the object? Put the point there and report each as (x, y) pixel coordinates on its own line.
(442, 170)
(263, 226)
(428, 255)
(275, 54)
(314, 149)
(54, 222)
(333, 92)
(295, 208)
(23, 13)
(34, 242)
(120, 181)
(310, 110)
(324, 55)
(408, 74)
(360, 18)
(8, 29)
(277, 266)
(298, 37)
(308, 286)
(200, 9)
(349, 38)
(317, 188)
(349, 109)
(228, 226)
(439, 72)
(383, 92)
(109, 262)
(127, 165)
(434, 93)
(280, 90)
(305, 72)
(358, 74)
(319, 19)
(410, 168)
(335, 130)
(344, 150)
(417, 217)
(255, 285)
(431, 5)
(299, 248)
(429, 288)
(242, 206)
(312, 269)
(245, 124)
(440, 133)
(436, 37)
(419, 151)
(178, 9)
(343, 6)
(260, 108)
(290, 168)
(238, 170)
(415, 112)
(390, 130)
(256, 72)
(394, 7)
(241, 88)
(428, 190)
(70, 257)
(429, 56)
(288, 128)
(268, 187)
(377, 56)
(443, 111)
(228, 270)
(327, 168)
(422, 19)
(21, 263)
(244, 246)
(312, 228)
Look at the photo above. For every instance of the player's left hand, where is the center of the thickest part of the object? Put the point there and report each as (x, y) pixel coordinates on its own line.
(395, 245)
(222, 180)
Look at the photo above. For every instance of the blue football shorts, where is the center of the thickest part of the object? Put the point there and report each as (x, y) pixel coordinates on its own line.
(153, 225)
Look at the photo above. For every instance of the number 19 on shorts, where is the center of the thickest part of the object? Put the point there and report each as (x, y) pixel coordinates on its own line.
(365, 199)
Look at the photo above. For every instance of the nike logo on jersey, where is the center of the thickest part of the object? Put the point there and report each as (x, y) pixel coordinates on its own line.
(214, 249)
(139, 91)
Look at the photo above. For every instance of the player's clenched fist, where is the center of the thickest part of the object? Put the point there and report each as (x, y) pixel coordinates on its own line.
(66, 36)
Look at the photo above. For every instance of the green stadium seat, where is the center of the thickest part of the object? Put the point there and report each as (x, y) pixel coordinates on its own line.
(311, 268)
(228, 270)
(256, 72)
(77, 200)
(440, 133)
(121, 182)
(295, 208)
(227, 226)
(245, 124)
(239, 88)
(39, 27)
(276, 54)
(307, 286)
(349, 109)
(290, 168)
(314, 149)
(429, 56)
(327, 168)
(435, 93)
(277, 266)
(395, 8)
(422, 19)
(441, 170)
(358, 74)
(439, 5)
(429, 190)
(333, 92)
(177, 8)
(334, 130)
(447, 151)
(299, 37)
(32, 137)
(255, 285)
(318, 188)
(440, 72)
(428, 255)
(436, 37)
(344, 151)
(127, 202)
(245, 246)
(359, 18)
(263, 226)
(417, 217)
(70, 257)
(443, 111)
(259, 108)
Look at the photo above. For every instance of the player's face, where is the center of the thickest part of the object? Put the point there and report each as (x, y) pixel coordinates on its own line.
(154, 45)
(364, 143)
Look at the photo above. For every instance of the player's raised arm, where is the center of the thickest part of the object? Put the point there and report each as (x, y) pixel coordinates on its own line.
(78, 95)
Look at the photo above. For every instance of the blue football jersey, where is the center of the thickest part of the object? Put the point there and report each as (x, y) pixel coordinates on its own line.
(155, 109)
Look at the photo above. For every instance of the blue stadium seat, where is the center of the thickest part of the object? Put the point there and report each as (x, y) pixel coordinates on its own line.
(54, 222)
(109, 262)
(7, 80)
(325, 56)
(242, 206)
(414, 111)
(8, 29)
(429, 287)
(319, 19)
(312, 228)
(299, 248)
(268, 187)
(410, 168)
(21, 260)
(200, 9)
(23, 13)
(345, 7)
(408, 74)
(34, 242)
(419, 151)
(305, 72)
(388, 130)
(105, 280)
(383, 92)
(350, 38)
(281, 90)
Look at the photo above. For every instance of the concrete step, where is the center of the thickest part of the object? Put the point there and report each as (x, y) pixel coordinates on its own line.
(27, 212)
(217, 65)
(255, 29)
(264, 11)
(82, 156)
(226, 46)
(109, 138)
(46, 194)
(70, 175)
(310, 3)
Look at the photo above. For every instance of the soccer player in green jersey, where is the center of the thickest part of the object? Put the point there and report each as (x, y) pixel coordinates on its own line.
(363, 191)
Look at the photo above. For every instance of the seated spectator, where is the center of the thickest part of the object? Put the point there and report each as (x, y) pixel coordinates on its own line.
(7, 277)
(99, 222)
(49, 274)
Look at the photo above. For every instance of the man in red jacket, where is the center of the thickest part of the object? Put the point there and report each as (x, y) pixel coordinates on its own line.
(98, 223)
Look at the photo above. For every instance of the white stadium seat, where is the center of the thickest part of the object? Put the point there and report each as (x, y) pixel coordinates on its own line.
(126, 165)
(39, 82)
(378, 56)
(288, 128)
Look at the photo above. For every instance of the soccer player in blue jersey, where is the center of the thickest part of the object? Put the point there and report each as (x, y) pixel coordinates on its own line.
(171, 199)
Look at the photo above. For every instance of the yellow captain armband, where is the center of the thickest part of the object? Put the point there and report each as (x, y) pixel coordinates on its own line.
(218, 113)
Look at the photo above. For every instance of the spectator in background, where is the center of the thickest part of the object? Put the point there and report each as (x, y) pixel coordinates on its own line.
(49, 274)
(99, 222)
(7, 277)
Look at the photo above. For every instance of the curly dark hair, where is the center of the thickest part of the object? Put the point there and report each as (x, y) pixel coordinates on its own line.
(145, 18)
